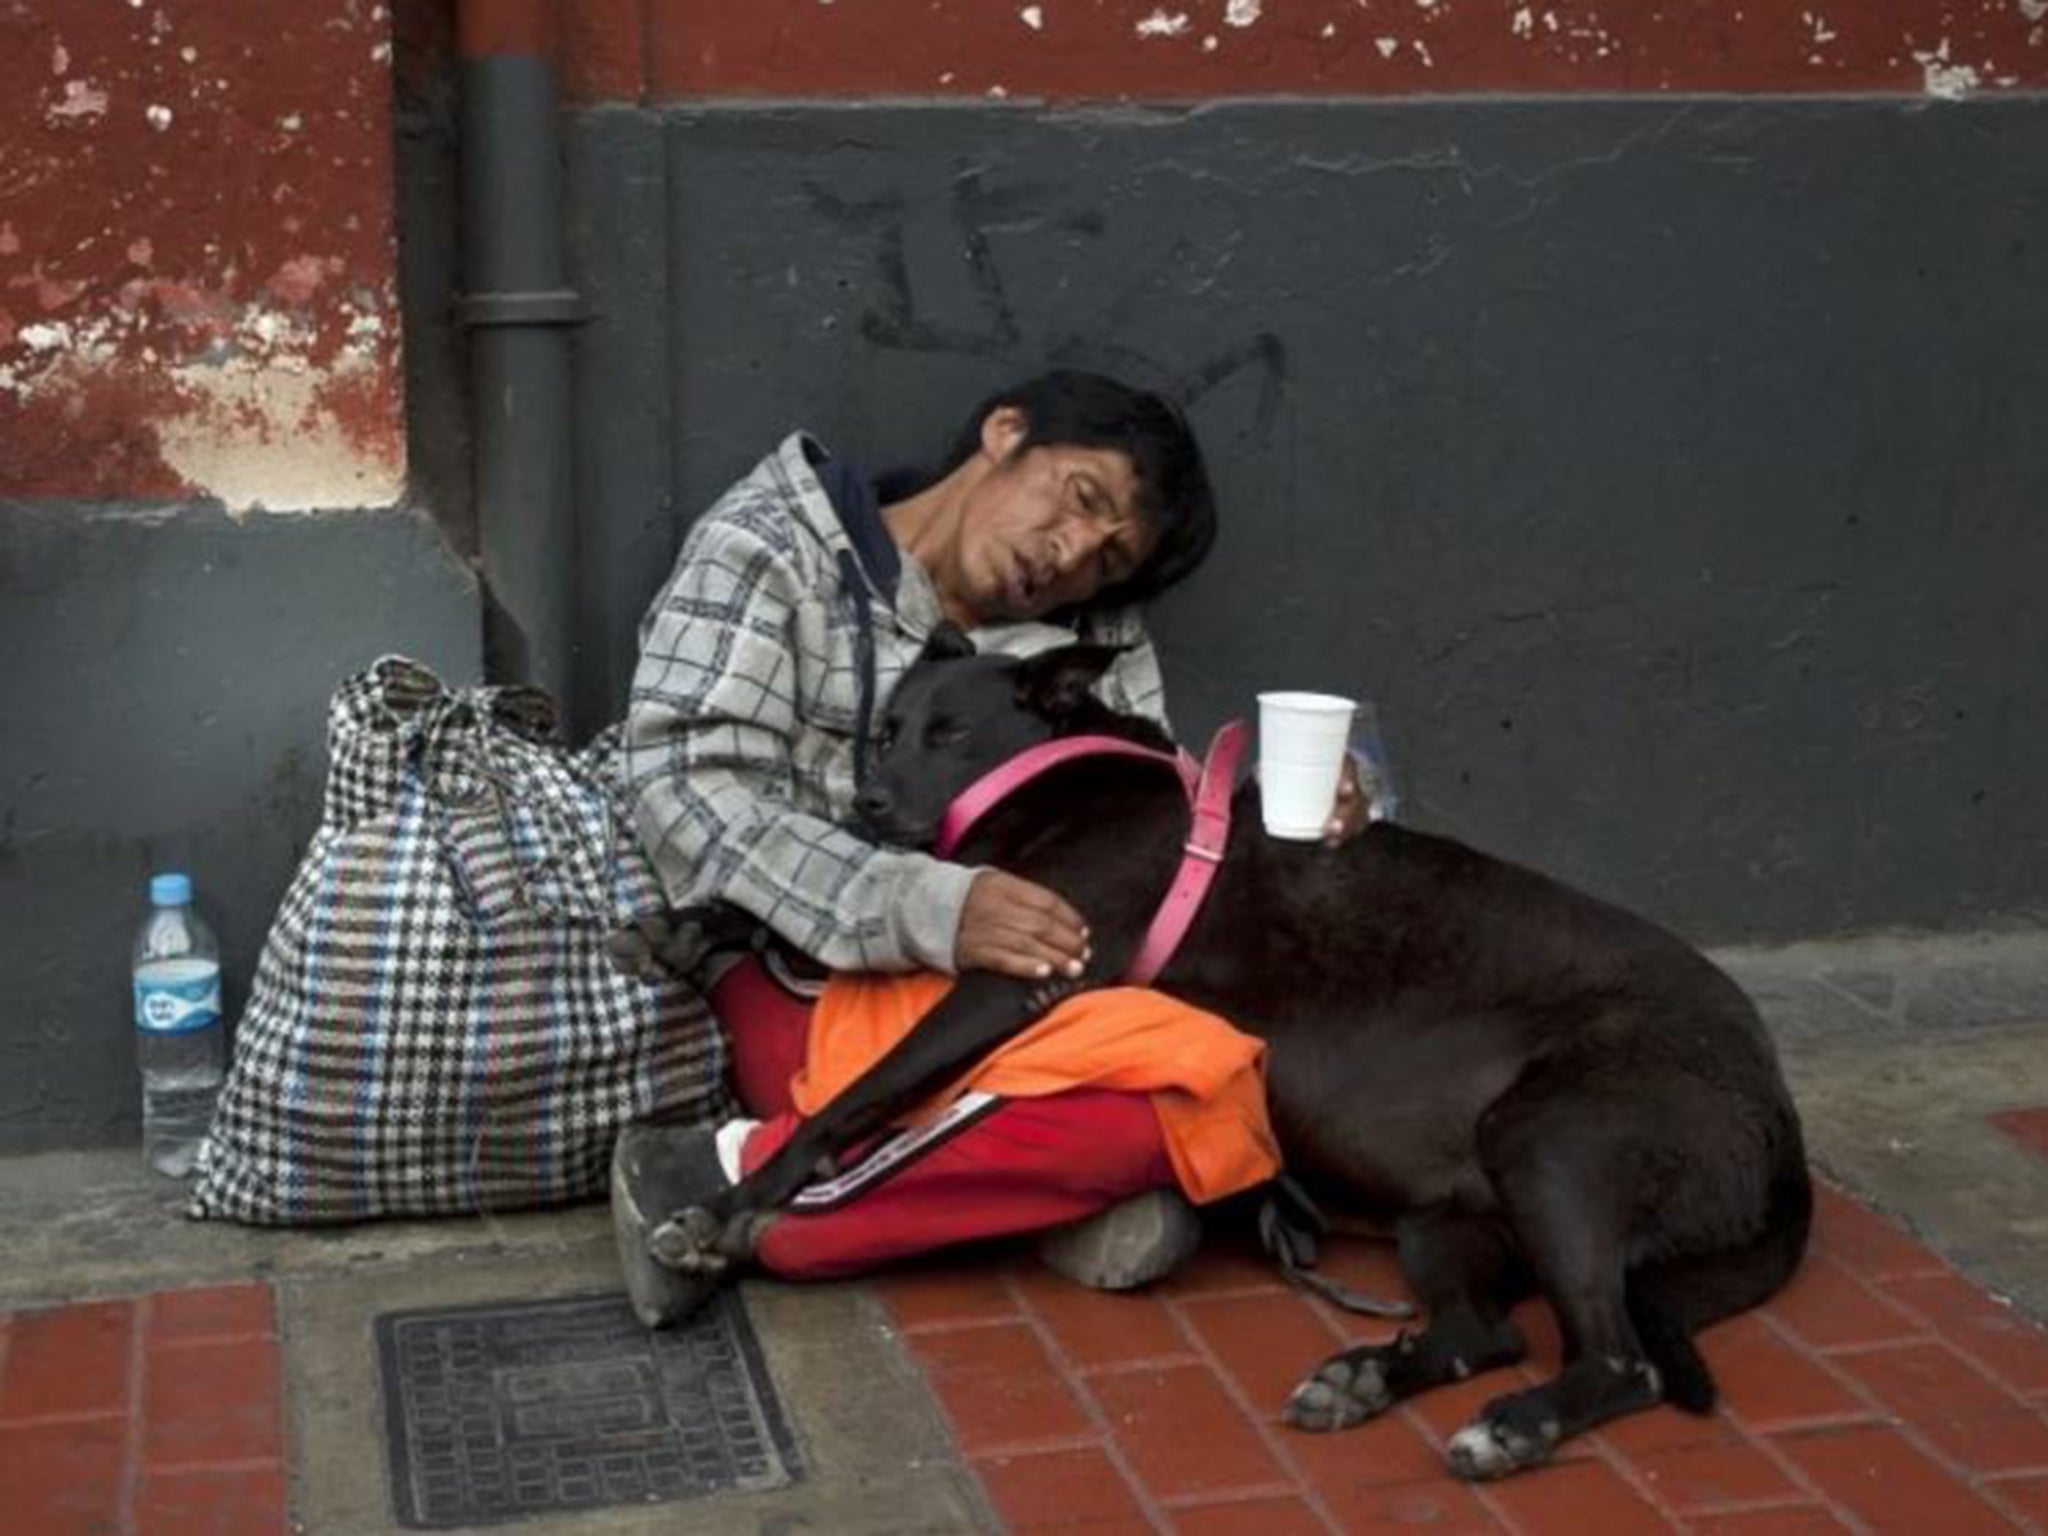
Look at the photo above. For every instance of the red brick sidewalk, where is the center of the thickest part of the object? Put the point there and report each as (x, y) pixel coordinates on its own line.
(1880, 1392)
(159, 1416)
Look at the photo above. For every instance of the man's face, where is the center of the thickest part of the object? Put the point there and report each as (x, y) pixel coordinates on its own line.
(1049, 527)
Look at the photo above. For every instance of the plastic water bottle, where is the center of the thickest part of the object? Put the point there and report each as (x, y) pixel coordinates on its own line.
(179, 1042)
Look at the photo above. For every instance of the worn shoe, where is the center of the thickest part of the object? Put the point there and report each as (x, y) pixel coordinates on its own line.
(657, 1171)
(1133, 1243)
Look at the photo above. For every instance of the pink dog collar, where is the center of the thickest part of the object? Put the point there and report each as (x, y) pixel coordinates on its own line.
(1208, 786)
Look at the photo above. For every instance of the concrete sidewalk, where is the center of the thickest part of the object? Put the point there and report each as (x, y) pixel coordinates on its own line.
(157, 1374)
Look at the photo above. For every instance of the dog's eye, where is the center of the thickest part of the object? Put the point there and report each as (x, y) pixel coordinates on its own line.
(885, 738)
(944, 733)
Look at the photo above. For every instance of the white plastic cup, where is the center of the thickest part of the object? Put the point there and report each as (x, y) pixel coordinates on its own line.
(1302, 740)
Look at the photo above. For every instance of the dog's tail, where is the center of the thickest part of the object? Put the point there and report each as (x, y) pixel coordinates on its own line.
(1671, 1301)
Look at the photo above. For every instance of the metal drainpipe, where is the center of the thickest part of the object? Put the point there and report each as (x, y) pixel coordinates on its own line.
(518, 310)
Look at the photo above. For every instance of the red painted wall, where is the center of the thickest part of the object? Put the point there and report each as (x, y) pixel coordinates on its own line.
(197, 259)
(1066, 50)
(197, 263)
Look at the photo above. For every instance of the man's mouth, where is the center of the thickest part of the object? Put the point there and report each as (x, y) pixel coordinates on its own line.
(1024, 581)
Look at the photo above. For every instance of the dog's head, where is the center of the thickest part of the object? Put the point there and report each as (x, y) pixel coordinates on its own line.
(957, 714)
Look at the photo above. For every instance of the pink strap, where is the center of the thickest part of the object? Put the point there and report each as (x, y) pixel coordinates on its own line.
(978, 798)
(1208, 787)
(1201, 855)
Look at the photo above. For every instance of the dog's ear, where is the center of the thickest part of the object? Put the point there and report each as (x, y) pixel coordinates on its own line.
(1054, 684)
(947, 642)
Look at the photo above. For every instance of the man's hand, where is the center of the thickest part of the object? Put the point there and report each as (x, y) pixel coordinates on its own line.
(1348, 817)
(1019, 929)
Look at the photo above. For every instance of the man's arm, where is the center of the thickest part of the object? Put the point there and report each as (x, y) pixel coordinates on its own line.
(711, 739)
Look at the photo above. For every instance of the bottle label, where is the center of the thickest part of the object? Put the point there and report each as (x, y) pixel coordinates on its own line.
(164, 1007)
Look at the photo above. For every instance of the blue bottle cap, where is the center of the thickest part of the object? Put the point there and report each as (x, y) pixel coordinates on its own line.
(170, 890)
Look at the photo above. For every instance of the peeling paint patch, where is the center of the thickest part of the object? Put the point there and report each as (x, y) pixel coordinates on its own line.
(2034, 10)
(164, 333)
(81, 99)
(1242, 13)
(255, 425)
(297, 280)
(1946, 81)
(305, 456)
(1160, 24)
(1033, 16)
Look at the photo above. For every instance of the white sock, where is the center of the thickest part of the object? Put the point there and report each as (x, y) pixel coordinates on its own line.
(731, 1137)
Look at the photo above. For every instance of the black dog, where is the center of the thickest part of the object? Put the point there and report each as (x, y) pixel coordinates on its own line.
(1543, 1092)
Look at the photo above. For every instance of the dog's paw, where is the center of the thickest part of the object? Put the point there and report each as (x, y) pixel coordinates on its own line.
(1345, 1390)
(1506, 1437)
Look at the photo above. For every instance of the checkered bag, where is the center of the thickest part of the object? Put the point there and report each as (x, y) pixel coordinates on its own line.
(435, 1026)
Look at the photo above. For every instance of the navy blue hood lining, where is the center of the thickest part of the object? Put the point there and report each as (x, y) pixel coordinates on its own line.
(856, 496)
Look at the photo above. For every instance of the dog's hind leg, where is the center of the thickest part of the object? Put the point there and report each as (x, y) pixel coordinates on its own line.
(1554, 1186)
(1465, 1271)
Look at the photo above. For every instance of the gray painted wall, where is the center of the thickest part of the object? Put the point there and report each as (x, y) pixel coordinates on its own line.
(165, 700)
(1669, 472)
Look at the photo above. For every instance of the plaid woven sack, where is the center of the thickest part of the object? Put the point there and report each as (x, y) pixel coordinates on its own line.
(434, 1026)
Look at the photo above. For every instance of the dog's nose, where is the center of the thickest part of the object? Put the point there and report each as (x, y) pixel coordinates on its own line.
(872, 805)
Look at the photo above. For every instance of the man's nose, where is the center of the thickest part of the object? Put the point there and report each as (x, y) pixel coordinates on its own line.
(1072, 547)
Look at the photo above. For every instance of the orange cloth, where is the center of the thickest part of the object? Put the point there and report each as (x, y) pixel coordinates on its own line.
(1206, 1080)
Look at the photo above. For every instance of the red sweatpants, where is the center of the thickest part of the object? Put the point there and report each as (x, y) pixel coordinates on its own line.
(993, 1167)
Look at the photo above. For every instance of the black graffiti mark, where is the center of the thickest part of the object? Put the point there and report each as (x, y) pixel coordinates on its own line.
(893, 319)
(1263, 351)
(1099, 354)
(974, 208)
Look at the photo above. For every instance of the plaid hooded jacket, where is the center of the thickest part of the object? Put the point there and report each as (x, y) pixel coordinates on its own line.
(741, 731)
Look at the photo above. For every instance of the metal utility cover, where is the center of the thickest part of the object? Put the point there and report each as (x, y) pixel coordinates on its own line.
(503, 1412)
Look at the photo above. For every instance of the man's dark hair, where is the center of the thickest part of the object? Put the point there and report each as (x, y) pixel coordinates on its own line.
(1071, 409)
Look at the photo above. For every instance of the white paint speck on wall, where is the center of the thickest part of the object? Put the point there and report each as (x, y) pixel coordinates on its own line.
(1946, 81)
(1242, 13)
(81, 99)
(1033, 16)
(1160, 24)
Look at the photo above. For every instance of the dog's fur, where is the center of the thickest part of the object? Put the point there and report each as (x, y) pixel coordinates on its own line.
(1542, 1091)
